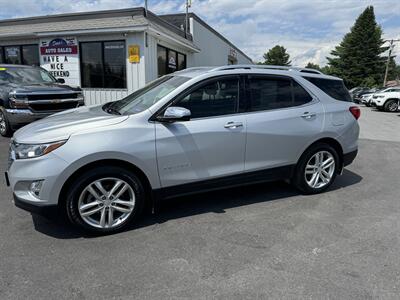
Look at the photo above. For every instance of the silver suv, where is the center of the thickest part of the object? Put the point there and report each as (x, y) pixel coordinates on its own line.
(195, 130)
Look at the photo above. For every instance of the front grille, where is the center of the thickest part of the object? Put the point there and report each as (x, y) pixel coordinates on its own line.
(53, 106)
(52, 96)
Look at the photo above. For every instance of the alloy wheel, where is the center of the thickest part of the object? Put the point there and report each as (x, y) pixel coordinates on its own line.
(393, 106)
(106, 203)
(320, 169)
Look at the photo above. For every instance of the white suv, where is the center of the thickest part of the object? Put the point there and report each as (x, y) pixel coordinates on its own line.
(387, 100)
(195, 130)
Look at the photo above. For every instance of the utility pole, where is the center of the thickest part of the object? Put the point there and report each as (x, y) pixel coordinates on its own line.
(188, 4)
(145, 7)
(391, 46)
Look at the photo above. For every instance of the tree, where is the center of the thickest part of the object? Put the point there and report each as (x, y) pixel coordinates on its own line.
(357, 59)
(311, 65)
(277, 56)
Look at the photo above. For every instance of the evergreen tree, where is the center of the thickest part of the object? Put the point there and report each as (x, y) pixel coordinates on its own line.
(277, 56)
(393, 70)
(358, 58)
(311, 65)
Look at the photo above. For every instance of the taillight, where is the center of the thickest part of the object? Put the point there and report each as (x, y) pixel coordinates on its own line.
(355, 111)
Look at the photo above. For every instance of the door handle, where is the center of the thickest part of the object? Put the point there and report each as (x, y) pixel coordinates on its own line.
(233, 125)
(307, 115)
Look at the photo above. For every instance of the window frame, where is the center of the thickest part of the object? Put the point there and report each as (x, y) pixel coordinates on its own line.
(167, 50)
(249, 95)
(239, 107)
(21, 54)
(103, 64)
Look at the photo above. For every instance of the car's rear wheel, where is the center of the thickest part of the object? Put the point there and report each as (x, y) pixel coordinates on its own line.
(5, 129)
(316, 169)
(105, 199)
(391, 105)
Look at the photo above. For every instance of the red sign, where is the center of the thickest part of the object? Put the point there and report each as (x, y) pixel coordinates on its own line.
(59, 47)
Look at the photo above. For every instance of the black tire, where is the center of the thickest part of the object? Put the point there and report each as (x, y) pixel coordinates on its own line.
(299, 177)
(391, 105)
(5, 128)
(77, 187)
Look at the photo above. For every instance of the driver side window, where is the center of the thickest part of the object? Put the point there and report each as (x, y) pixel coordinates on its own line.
(220, 97)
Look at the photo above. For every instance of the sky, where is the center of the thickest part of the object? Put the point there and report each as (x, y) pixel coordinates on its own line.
(309, 29)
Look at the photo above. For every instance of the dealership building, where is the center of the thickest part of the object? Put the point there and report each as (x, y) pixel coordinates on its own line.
(113, 53)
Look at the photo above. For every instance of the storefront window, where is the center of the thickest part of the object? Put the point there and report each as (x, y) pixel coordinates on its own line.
(30, 55)
(169, 61)
(1, 55)
(162, 60)
(25, 54)
(12, 55)
(103, 64)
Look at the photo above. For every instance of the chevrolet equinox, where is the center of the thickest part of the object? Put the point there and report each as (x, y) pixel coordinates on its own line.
(194, 130)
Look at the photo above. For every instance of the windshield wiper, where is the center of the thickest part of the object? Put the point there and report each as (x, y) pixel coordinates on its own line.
(112, 110)
(108, 108)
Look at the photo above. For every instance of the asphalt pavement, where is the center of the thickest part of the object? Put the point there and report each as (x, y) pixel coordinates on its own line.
(262, 241)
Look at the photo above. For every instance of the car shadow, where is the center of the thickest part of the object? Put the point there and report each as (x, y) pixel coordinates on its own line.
(182, 207)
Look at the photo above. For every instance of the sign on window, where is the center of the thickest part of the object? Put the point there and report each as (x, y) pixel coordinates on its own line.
(60, 57)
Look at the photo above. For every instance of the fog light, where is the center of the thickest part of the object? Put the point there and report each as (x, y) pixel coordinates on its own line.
(35, 187)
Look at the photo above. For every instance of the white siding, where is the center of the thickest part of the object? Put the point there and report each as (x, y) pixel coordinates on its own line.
(100, 96)
(214, 50)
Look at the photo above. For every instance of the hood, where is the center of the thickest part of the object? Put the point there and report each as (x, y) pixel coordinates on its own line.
(61, 125)
(43, 88)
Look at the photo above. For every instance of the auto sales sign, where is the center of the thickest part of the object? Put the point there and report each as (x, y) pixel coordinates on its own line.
(60, 57)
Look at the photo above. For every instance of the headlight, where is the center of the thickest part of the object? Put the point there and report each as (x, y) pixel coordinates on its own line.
(23, 151)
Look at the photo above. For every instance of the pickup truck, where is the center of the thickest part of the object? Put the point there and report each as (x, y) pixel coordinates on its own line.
(29, 93)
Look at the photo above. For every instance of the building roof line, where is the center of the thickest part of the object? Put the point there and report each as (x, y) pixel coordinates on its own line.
(202, 22)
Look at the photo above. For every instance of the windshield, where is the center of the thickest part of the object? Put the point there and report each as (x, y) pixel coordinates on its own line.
(21, 75)
(147, 96)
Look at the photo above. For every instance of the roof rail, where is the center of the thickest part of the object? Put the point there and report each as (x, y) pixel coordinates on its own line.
(270, 67)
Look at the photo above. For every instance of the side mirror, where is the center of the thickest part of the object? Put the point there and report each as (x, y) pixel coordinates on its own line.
(60, 80)
(175, 113)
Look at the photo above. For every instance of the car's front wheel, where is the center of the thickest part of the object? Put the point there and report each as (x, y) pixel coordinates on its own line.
(5, 129)
(105, 199)
(316, 169)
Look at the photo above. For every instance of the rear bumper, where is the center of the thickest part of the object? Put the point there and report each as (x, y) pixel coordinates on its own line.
(348, 158)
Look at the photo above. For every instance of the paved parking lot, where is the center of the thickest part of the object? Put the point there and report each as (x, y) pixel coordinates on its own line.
(253, 242)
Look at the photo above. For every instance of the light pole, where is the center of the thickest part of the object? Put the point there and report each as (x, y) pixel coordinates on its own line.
(188, 4)
(391, 46)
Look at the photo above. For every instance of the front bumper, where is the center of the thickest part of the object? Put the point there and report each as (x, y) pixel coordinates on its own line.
(20, 117)
(46, 169)
(44, 210)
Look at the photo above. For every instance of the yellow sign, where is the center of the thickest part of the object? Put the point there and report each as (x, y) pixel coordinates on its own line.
(3, 69)
(134, 53)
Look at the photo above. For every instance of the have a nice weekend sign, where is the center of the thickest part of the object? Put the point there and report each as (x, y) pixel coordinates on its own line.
(60, 57)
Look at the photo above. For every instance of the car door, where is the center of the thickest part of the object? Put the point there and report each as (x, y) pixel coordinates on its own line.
(283, 119)
(212, 143)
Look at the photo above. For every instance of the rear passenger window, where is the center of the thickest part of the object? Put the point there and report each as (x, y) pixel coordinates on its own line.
(274, 93)
(300, 95)
(334, 88)
(213, 99)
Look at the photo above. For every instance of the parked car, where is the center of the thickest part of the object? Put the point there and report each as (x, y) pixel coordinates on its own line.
(30, 93)
(196, 130)
(367, 98)
(387, 100)
(357, 96)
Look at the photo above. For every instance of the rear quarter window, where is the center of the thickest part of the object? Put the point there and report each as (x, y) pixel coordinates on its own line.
(334, 88)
